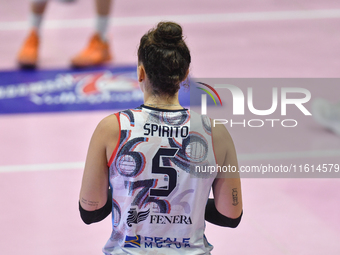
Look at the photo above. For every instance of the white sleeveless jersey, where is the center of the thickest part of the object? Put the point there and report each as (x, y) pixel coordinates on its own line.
(159, 198)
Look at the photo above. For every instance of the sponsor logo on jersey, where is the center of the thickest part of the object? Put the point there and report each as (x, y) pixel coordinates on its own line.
(175, 219)
(132, 241)
(160, 242)
(136, 217)
(156, 242)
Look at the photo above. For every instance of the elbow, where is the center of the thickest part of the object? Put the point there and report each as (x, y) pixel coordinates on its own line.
(100, 214)
(86, 216)
(86, 221)
(213, 216)
(233, 223)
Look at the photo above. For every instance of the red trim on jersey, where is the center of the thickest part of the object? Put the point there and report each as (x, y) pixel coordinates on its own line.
(134, 110)
(189, 118)
(169, 206)
(117, 145)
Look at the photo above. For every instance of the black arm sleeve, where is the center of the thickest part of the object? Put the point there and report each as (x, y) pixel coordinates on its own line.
(94, 216)
(215, 217)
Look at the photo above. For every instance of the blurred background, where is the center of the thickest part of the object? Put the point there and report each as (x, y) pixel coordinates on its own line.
(48, 115)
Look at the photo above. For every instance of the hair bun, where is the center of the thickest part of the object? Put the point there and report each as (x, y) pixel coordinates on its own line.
(165, 57)
(168, 33)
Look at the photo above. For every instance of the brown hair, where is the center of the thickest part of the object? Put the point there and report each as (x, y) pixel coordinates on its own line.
(165, 57)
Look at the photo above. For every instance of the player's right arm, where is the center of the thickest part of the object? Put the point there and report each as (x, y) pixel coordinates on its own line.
(226, 207)
(95, 198)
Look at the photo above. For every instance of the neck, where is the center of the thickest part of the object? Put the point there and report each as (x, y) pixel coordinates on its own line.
(163, 102)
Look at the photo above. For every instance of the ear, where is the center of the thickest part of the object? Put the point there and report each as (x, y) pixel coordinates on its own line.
(141, 73)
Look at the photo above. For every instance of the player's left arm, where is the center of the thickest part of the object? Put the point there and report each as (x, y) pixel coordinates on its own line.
(95, 201)
(226, 207)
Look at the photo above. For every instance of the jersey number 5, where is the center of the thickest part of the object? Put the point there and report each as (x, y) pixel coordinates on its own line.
(158, 169)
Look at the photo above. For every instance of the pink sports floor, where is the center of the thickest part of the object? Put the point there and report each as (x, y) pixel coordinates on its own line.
(41, 155)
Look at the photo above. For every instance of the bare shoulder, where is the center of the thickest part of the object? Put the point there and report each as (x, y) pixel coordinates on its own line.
(106, 134)
(108, 125)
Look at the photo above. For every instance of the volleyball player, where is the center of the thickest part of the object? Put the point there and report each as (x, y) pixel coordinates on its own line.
(96, 52)
(141, 163)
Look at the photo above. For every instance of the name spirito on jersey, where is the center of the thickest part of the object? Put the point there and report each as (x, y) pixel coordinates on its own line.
(165, 131)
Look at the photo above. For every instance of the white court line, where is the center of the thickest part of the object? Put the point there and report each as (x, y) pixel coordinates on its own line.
(241, 157)
(190, 18)
(42, 167)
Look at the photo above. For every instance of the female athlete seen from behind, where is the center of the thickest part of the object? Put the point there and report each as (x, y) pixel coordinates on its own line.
(141, 162)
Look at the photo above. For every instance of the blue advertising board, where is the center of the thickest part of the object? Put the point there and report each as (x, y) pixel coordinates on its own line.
(72, 90)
